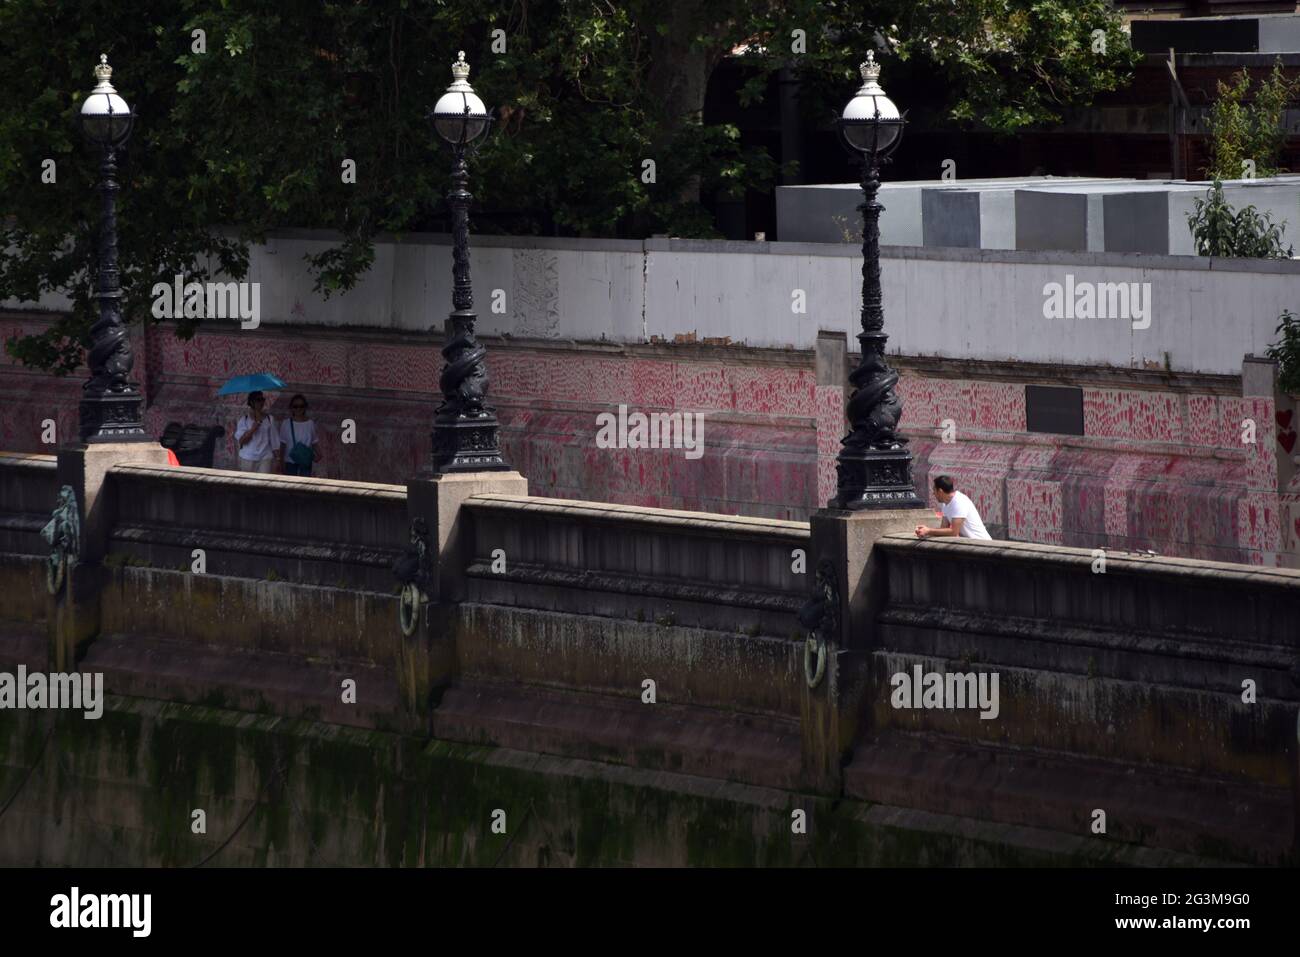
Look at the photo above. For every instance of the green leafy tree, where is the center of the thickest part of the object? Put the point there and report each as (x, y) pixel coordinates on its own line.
(1287, 352)
(1219, 230)
(1245, 130)
(248, 133)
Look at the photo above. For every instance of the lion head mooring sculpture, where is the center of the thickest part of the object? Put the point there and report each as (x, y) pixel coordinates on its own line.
(63, 534)
(413, 570)
(820, 614)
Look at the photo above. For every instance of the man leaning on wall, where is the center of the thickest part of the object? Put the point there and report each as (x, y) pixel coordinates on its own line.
(960, 516)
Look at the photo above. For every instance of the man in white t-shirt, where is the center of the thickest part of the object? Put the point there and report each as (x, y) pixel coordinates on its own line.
(960, 516)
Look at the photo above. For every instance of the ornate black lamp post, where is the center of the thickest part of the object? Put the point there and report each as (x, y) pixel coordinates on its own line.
(874, 467)
(465, 429)
(110, 402)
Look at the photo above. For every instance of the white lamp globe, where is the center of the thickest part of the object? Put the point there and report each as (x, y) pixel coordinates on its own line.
(871, 122)
(459, 116)
(105, 117)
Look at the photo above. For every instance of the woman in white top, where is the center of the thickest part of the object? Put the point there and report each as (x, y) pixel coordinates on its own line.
(257, 436)
(299, 433)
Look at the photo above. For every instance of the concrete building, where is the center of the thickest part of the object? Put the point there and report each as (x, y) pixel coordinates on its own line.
(1154, 128)
(1122, 216)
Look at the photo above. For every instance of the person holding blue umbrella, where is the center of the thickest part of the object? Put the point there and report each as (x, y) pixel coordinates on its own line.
(256, 434)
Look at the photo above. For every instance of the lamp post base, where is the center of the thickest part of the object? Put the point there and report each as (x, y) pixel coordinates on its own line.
(112, 417)
(875, 478)
(467, 443)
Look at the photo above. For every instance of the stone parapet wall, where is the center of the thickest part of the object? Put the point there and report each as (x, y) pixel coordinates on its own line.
(622, 561)
(590, 626)
(1083, 651)
(312, 531)
(668, 642)
(1199, 620)
(1123, 683)
(27, 490)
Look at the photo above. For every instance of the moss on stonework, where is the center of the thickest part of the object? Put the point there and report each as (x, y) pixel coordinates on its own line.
(216, 698)
(331, 795)
(186, 762)
(18, 749)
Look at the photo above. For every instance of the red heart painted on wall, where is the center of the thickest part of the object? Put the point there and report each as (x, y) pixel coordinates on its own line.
(1283, 418)
(1287, 441)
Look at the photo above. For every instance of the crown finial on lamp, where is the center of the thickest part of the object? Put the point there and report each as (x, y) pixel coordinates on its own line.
(459, 116)
(870, 68)
(103, 72)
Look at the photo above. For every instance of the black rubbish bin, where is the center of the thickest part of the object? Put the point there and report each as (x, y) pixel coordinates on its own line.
(193, 444)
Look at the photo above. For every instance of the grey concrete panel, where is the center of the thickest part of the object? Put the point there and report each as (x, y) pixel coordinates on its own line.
(950, 218)
(1136, 222)
(997, 219)
(1279, 34)
(1051, 220)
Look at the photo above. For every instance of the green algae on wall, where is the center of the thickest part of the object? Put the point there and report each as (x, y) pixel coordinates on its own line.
(285, 792)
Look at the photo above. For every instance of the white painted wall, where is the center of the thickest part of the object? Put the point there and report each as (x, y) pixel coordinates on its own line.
(580, 290)
(959, 303)
(971, 303)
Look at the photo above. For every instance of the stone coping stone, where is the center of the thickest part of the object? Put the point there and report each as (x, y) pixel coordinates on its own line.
(290, 483)
(572, 508)
(840, 249)
(20, 460)
(1115, 560)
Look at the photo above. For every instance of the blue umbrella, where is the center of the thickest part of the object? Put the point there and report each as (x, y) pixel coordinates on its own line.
(251, 383)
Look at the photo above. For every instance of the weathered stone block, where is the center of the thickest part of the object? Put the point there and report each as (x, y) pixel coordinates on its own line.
(85, 468)
(437, 499)
(834, 710)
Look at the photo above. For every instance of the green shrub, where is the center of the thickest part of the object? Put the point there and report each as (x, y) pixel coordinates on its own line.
(1253, 131)
(1287, 352)
(1219, 230)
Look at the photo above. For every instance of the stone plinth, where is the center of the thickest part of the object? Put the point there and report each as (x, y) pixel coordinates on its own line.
(75, 611)
(437, 499)
(85, 468)
(430, 655)
(833, 711)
